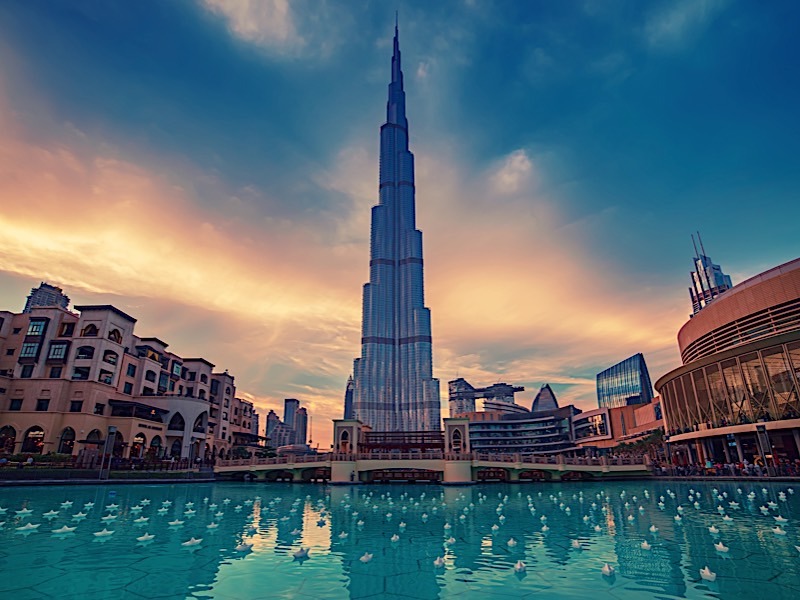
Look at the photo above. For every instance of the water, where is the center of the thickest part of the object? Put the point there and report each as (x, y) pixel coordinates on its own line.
(478, 564)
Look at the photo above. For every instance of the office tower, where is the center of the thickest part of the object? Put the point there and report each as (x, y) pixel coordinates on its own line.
(46, 295)
(624, 384)
(708, 280)
(290, 406)
(394, 388)
(301, 426)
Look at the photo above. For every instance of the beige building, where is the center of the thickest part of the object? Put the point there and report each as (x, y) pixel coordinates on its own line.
(66, 377)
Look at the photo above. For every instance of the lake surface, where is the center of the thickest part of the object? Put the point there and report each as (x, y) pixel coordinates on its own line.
(587, 526)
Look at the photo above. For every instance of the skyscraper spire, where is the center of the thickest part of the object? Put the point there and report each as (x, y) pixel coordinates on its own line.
(393, 385)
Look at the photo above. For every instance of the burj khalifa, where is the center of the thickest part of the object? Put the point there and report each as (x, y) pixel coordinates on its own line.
(393, 384)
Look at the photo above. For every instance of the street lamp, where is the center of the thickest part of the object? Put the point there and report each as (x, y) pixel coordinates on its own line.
(112, 431)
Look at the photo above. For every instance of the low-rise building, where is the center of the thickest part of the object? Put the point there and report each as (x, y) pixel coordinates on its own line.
(66, 377)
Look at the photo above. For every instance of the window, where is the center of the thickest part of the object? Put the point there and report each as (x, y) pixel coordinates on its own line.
(42, 404)
(190, 392)
(84, 353)
(201, 394)
(80, 373)
(110, 357)
(214, 386)
(227, 403)
(29, 350)
(150, 376)
(76, 406)
(177, 369)
(225, 416)
(16, 330)
(115, 336)
(131, 372)
(228, 390)
(57, 351)
(105, 377)
(26, 372)
(90, 331)
(99, 408)
(55, 372)
(148, 391)
(67, 330)
(191, 375)
(203, 378)
(10, 352)
(35, 328)
(15, 404)
(127, 388)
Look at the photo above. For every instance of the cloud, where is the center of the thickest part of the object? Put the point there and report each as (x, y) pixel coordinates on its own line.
(680, 22)
(513, 173)
(268, 23)
(423, 69)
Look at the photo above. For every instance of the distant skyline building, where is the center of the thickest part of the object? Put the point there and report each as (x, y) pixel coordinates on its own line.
(301, 426)
(462, 396)
(290, 407)
(625, 384)
(708, 280)
(44, 296)
(545, 399)
(394, 388)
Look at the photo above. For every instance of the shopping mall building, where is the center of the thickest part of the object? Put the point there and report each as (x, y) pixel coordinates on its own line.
(736, 395)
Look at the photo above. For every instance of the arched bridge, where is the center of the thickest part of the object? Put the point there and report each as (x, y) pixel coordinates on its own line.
(449, 468)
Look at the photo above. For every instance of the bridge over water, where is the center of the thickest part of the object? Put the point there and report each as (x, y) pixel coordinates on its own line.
(448, 468)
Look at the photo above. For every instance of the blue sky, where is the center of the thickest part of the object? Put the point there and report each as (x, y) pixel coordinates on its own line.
(209, 167)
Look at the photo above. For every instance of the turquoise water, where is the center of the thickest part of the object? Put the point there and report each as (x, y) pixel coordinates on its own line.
(278, 520)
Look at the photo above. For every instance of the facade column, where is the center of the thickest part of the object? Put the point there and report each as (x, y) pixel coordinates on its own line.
(796, 434)
(739, 452)
(726, 450)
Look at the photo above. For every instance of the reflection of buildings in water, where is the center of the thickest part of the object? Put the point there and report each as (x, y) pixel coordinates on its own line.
(395, 567)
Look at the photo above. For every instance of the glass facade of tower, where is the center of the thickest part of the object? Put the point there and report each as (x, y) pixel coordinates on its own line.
(708, 282)
(624, 384)
(393, 384)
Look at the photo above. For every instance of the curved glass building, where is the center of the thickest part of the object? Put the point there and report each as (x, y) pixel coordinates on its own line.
(736, 395)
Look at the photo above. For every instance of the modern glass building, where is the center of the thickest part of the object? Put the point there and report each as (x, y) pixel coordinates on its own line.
(737, 395)
(625, 384)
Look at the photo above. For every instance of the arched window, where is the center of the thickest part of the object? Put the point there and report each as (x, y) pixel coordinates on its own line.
(201, 394)
(67, 441)
(115, 336)
(84, 353)
(90, 331)
(344, 441)
(8, 436)
(203, 378)
(110, 357)
(155, 446)
(94, 436)
(150, 375)
(176, 449)
(138, 446)
(199, 423)
(228, 390)
(177, 423)
(456, 441)
(33, 441)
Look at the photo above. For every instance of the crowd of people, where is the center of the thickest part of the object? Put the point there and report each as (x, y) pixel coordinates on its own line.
(745, 468)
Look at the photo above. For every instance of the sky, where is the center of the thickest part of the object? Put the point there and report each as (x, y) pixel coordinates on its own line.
(209, 166)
